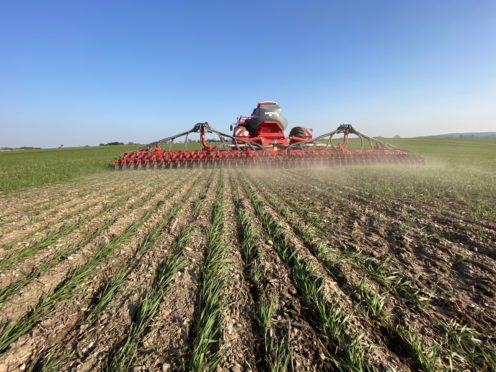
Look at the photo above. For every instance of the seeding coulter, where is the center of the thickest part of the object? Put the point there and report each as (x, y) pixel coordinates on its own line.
(259, 140)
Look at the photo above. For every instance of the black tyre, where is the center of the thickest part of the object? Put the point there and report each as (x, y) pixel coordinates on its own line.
(298, 132)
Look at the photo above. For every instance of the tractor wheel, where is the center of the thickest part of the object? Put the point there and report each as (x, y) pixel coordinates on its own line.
(298, 132)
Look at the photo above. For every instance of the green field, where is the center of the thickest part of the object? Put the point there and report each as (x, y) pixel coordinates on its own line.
(456, 153)
(26, 168)
(386, 267)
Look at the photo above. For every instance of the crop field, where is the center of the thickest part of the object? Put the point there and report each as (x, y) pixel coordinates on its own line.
(377, 268)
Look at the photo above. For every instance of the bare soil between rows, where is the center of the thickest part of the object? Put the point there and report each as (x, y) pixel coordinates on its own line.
(449, 262)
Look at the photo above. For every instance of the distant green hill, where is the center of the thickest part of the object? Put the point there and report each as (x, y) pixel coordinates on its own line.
(464, 135)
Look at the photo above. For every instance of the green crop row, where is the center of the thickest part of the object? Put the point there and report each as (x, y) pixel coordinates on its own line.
(467, 351)
(147, 309)
(62, 254)
(371, 303)
(62, 231)
(206, 351)
(32, 209)
(27, 202)
(53, 237)
(146, 244)
(378, 271)
(65, 290)
(127, 353)
(419, 218)
(331, 318)
(276, 345)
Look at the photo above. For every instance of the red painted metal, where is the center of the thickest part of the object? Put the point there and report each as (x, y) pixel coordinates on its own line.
(267, 146)
(204, 142)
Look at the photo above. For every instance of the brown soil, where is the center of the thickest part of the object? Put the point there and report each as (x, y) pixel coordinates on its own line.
(38, 221)
(447, 257)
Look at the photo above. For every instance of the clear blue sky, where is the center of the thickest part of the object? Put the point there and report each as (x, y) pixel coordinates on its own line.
(88, 71)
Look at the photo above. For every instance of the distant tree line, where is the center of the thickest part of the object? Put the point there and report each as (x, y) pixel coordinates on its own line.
(19, 148)
(112, 144)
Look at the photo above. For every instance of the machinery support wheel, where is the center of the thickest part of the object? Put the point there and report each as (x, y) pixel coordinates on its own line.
(298, 132)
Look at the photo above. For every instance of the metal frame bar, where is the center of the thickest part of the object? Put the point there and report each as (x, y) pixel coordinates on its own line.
(205, 128)
(346, 129)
